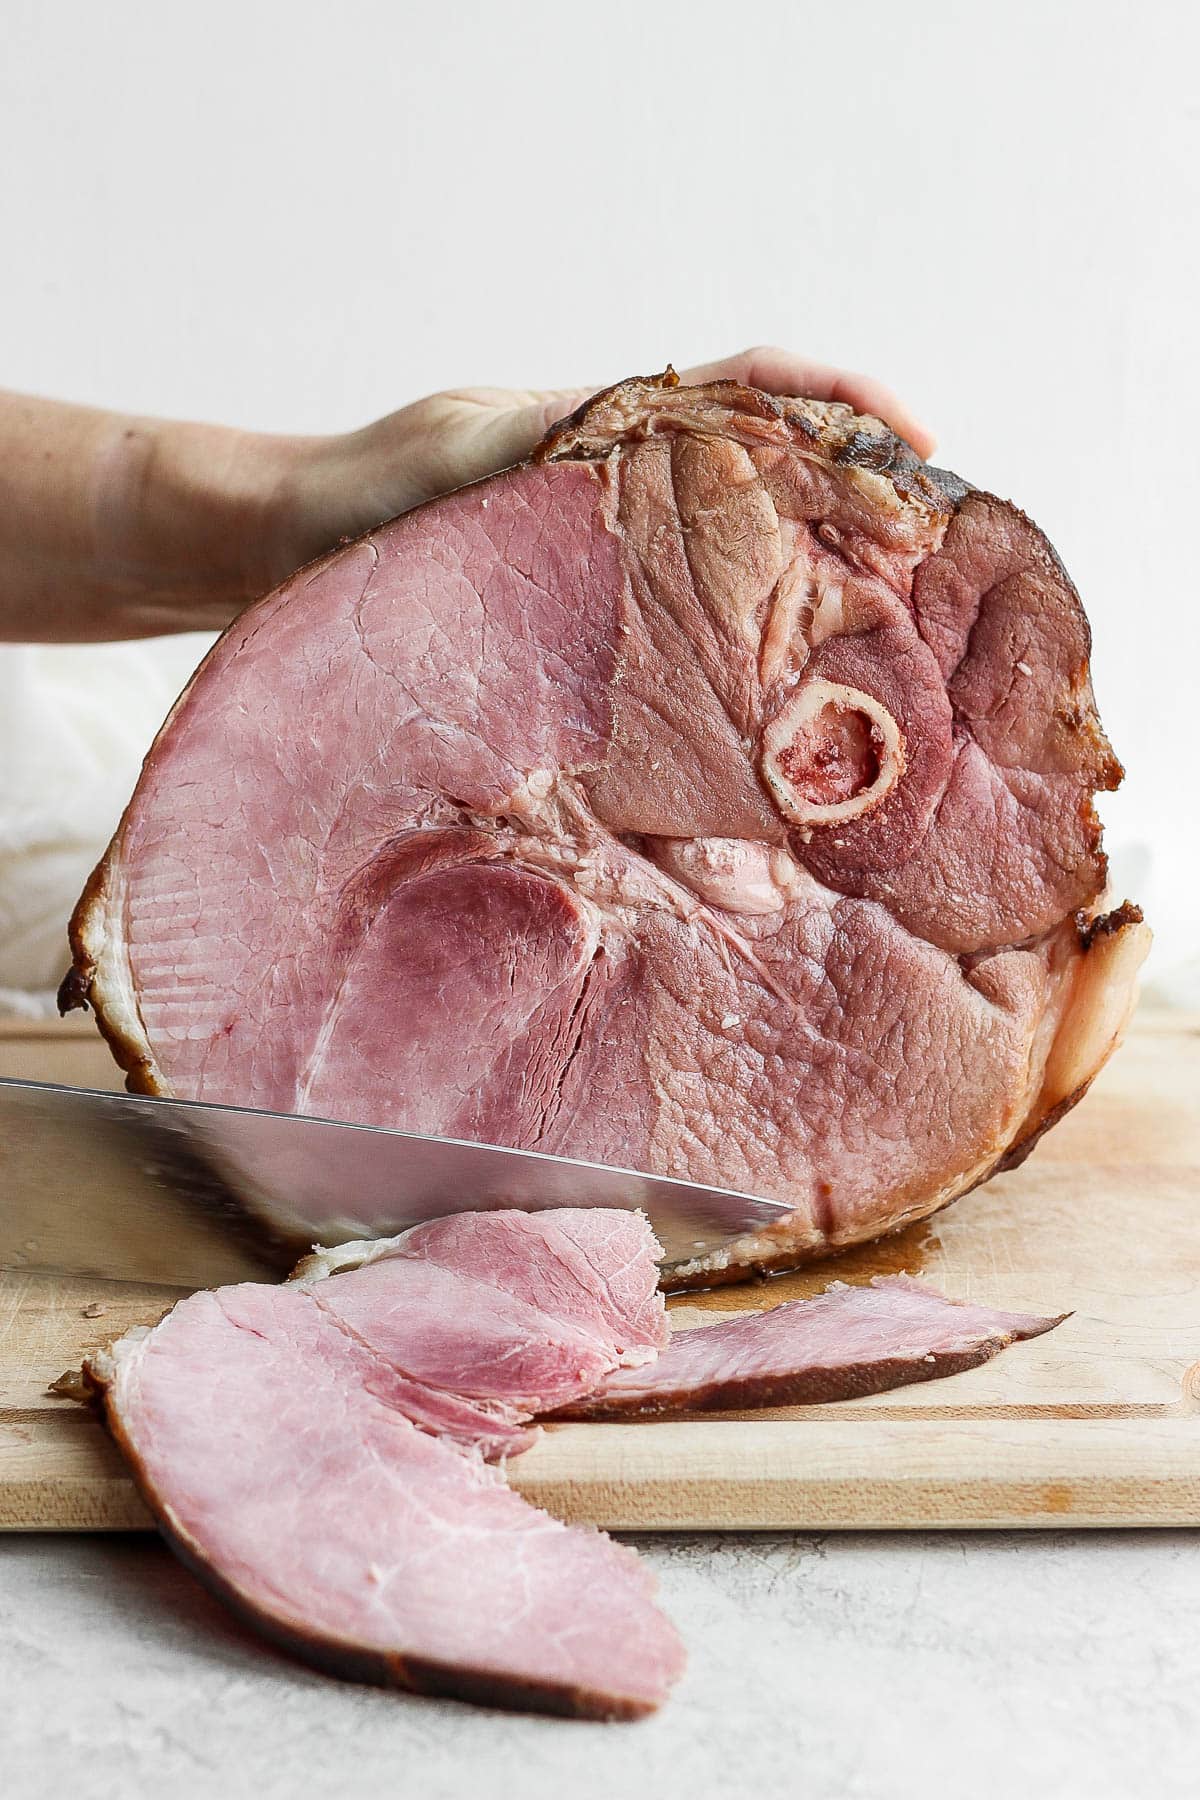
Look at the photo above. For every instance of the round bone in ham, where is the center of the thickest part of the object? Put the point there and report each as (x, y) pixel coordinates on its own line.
(711, 794)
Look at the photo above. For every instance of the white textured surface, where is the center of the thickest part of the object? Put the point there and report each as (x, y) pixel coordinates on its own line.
(867, 1667)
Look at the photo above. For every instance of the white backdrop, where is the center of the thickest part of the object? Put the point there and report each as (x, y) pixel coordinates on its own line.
(297, 216)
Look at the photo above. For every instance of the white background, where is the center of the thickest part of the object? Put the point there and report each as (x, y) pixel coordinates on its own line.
(296, 217)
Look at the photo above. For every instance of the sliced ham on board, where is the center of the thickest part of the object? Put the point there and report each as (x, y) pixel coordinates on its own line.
(711, 795)
(497, 1312)
(322, 1453)
(306, 1449)
(838, 1345)
(278, 1456)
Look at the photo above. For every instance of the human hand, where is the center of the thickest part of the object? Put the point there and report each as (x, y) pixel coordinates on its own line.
(342, 486)
(113, 526)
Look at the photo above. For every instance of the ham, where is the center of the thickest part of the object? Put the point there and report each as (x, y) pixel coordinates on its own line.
(324, 1454)
(711, 795)
(316, 1453)
(844, 1343)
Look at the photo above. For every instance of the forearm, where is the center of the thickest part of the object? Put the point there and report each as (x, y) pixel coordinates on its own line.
(113, 526)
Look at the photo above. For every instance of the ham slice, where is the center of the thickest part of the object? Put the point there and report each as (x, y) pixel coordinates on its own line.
(285, 1439)
(322, 1454)
(506, 1313)
(843, 1343)
(277, 1454)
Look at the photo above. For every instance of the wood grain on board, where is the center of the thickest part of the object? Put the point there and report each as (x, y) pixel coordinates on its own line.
(1097, 1423)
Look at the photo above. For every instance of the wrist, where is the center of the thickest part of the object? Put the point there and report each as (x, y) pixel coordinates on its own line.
(303, 481)
(186, 521)
(324, 492)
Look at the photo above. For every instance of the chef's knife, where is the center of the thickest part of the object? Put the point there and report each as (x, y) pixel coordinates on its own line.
(192, 1195)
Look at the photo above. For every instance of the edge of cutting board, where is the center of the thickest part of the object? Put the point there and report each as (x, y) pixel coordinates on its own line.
(1095, 1424)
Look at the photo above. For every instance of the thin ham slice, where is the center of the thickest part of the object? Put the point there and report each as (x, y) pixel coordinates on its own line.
(277, 1455)
(287, 1441)
(843, 1343)
(514, 1313)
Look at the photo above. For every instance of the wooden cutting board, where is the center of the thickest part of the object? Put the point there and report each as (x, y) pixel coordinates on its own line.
(1097, 1423)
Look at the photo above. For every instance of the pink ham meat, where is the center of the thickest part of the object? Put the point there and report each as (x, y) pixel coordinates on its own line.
(712, 795)
(495, 1317)
(844, 1343)
(287, 1441)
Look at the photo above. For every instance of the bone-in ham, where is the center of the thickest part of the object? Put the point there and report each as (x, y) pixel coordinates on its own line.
(711, 795)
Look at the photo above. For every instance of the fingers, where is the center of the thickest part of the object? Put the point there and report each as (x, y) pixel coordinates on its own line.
(462, 436)
(780, 372)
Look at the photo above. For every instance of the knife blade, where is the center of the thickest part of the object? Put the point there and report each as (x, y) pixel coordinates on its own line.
(192, 1194)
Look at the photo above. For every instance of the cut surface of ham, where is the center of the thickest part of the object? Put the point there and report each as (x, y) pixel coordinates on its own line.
(839, 1345)
(315, 1452)
(711, 795)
